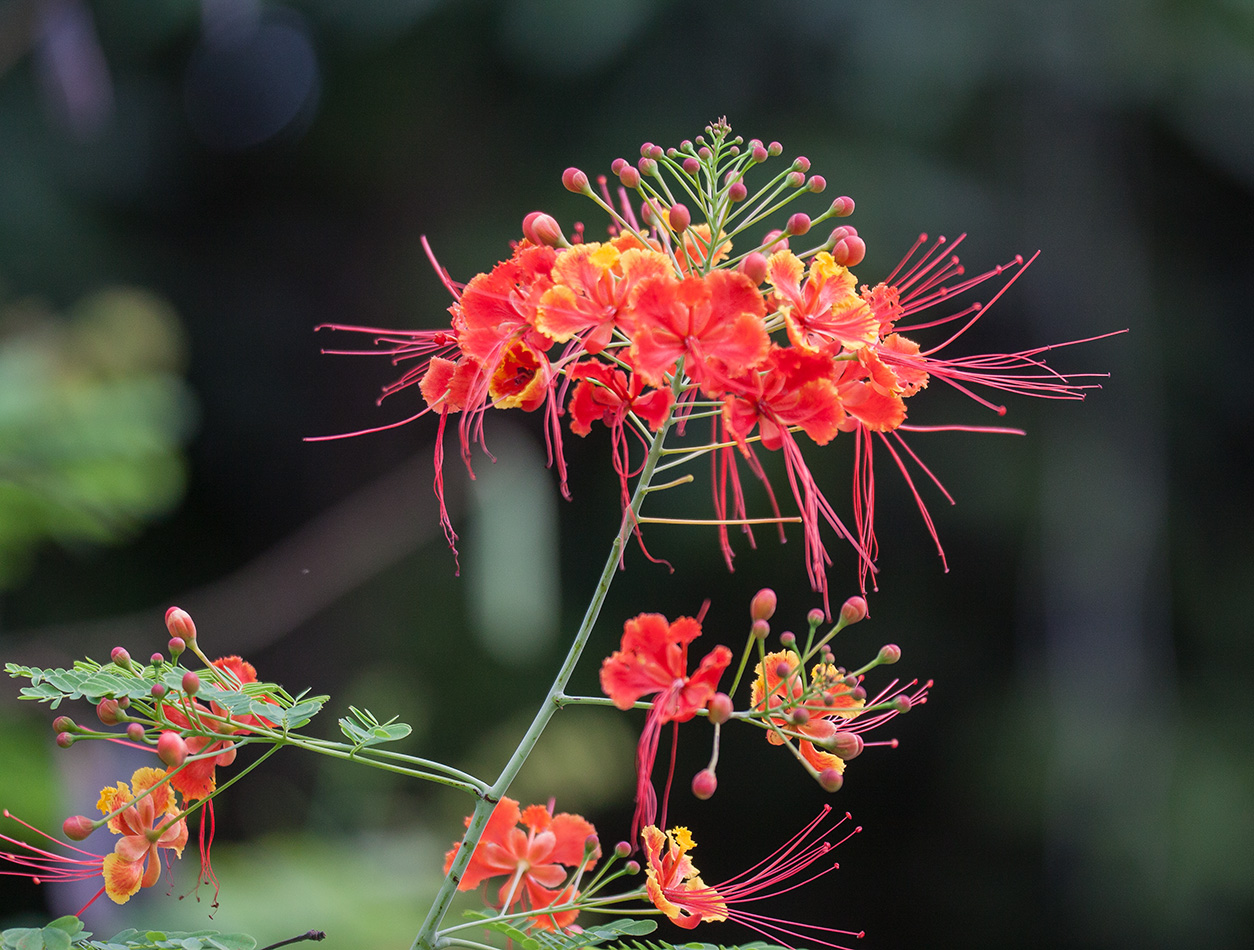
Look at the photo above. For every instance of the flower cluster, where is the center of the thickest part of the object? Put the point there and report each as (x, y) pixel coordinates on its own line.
(157, 706)
(666, 322)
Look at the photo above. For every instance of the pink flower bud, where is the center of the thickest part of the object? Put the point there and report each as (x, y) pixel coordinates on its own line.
(645, 149)
(158, 690)
(176, 646)
(759, 154)
(842, 207)
(799, 223)
(773, 239)
(737, 191)
(107, 711)
(799, 716)
(692, 165)
(120, 657)
(775, 148)
(704, 784)
(762, 607)
(592, 846)
(831, 780)
(618, 165)
(63, 724)
(575, 180)
(191, 683)
(815, 617)
(901, 704)
(656, 152)
(542, 229)
(65, 740)
(171, 749)
(801, 164)
(788, 639)
(179, 622)
(705, 153)
(622, 849)
(720, 708)
(135, 732)
(849, 251)
(156, 659)
(853, 610)
(77, 827)
(759, 629)
(846, 745)
(630, 177)
(794, 179)
(782, 668)
(632, 867)
(889, 653)
(816, 183)
(754, 267)
(680, 217)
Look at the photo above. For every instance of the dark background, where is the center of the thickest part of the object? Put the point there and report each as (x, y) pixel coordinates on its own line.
(1082, 776)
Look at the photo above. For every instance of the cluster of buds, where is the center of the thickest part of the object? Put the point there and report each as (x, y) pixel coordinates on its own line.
(157, 708)
(672, 319)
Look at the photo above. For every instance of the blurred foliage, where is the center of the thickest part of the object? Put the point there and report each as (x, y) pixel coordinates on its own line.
(92, 417)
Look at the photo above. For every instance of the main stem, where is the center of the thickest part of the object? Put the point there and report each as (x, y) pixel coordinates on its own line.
(487, 800)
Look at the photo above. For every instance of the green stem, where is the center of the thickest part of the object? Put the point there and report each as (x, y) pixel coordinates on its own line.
(426, 938)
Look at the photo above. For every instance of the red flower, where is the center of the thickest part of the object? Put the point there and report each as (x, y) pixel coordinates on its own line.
(536, 858)
(653, 661)
(713, 323)
(675, 887)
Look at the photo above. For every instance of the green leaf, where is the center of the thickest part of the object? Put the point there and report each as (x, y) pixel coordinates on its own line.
(507, 929)
(367, 730)
(24, 938)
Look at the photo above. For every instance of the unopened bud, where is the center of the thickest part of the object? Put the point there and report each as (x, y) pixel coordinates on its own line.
(630, 177)
(889, 653)
(853, 610)
(191, 683)
(645, 149)
(775, 148)
(842, 207)
(788, 639)
(763, 605)
(544, 230)
(801, 164)
(737, 191)
(107, 711)
(592, 846)
(647, 166)
(156, 659)
(782, 668)
(815, 617)
(719, 708)
(816, 183)
(754, 267)
(795, 179)
(857, 694)
(78, 827)
(618, 165)
(759, 630)
(799, 716)
(846, 745)
(176, 646)
(158, 690)
(901, 704)
(705, 153)
(135, 732)
(622, 849)
(759, 153)
(171, 749)
(704, 784)
(632, 867)
(799, 223)
(679, 218)
(775, 240)
(849, 251)
(692, 165)
(831, 780)
(179, 622)
(120, 657)
(63, 724)
(575, 180)
(65, 740)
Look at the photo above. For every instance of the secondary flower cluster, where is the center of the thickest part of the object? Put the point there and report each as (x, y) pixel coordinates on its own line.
(667, 322)
(150, 813)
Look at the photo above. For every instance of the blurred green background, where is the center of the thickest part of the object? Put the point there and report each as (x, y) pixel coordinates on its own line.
(187, 189)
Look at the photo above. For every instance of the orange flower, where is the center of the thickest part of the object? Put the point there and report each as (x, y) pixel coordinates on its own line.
(713, 323)
(675, 887)
(135, 861)
(653, 661)
(825, 314)
(535, 861)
